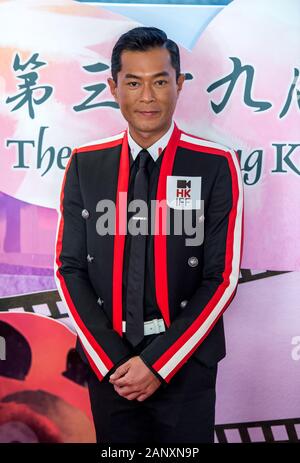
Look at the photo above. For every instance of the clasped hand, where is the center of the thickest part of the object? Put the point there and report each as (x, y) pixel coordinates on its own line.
(134, 380)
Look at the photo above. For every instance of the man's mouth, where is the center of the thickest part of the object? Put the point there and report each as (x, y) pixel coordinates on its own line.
(148, 113)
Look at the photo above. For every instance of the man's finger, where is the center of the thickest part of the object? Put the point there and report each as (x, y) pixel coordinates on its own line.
(128, 390)
(132, 396)
(121, 371)
(125, 391)
(121, 382)
(142, 397)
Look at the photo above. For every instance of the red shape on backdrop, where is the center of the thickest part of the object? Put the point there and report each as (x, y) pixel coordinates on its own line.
(39, 389)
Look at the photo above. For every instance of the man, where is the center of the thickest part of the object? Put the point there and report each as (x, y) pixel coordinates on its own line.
(148, 306)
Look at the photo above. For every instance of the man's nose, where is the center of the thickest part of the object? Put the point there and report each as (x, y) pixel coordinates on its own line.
(147, 93)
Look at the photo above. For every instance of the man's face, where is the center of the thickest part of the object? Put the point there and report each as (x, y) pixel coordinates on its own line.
(147, 91)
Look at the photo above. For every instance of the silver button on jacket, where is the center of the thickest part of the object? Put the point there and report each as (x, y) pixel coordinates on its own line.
(183, 304)
(100, 301)
(85, 213)
(193, 261)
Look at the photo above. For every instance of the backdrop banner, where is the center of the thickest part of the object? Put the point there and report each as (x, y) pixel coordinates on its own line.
(242, 89)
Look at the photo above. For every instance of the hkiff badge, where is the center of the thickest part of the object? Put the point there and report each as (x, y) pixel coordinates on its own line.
(183, 193)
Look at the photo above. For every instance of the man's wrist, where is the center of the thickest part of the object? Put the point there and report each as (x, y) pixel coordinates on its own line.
(163, 382)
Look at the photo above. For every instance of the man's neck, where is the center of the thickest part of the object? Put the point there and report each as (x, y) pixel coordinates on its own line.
(155, 148)
(147, 139)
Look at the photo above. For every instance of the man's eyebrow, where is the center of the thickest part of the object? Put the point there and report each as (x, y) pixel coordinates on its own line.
(158, 74)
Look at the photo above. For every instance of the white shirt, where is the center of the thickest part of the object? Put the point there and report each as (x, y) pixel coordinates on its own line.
(155, 149)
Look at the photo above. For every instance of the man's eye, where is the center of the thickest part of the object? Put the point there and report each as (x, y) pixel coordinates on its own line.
(160, 83)
(133, 84)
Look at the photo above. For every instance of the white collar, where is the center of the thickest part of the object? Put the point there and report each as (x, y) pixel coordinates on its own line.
(155, 149)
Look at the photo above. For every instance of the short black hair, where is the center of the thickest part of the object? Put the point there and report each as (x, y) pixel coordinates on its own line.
(143, 39)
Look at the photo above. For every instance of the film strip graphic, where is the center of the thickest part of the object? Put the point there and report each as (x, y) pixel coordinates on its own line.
(247, 275)
(46, 303)
(49, 303)
(259, 431)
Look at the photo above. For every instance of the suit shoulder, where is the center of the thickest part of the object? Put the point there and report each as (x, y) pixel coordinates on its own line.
(220, 155)
(102, 143)
(201, 144)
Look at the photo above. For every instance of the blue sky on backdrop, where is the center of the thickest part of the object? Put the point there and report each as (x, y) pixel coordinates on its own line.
(196, 14)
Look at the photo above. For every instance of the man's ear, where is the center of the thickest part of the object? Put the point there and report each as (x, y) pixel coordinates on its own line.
(113, 88)
(180, 81)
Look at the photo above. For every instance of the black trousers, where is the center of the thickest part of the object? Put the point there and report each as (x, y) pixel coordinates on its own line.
(182, 412)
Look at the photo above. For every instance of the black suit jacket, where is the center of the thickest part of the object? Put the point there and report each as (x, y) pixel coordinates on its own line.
(193, 284)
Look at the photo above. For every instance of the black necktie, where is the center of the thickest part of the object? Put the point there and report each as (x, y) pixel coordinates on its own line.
(137, 258)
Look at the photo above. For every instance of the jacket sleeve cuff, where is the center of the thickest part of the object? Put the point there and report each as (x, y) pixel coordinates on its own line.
(163, 382)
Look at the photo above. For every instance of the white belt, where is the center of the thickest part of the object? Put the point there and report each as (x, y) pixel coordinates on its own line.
(155, 326)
